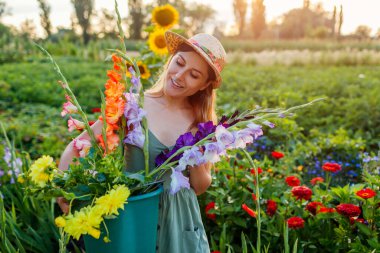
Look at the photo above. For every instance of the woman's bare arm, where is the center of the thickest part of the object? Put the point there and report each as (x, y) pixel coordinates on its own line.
(200, 178)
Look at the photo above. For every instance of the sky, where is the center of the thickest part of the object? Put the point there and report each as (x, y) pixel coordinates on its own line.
(363, 12)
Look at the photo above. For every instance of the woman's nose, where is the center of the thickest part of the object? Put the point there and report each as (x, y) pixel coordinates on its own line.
(179, 75)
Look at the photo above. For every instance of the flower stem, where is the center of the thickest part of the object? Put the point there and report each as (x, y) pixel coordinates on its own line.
(258, 217)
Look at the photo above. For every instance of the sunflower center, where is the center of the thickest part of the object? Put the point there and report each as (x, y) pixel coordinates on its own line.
(142, 70)
(160, 41)
(165, 17)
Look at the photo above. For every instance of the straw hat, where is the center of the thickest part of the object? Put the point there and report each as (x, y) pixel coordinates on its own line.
(205, 45)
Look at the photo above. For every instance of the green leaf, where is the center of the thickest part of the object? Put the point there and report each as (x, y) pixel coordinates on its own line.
(240, 221)
(363, 228)
(100, 177)
(243, 243)
(137, 176)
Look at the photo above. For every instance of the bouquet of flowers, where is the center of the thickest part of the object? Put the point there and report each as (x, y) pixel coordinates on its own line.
(96, 184)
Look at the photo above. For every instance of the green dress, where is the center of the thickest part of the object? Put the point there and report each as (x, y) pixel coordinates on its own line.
(180, 228)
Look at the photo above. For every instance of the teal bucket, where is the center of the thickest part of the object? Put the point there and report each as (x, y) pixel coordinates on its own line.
(133, 231)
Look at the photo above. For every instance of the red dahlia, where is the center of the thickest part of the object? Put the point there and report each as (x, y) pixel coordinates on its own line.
(295, 222)
(248, 210)
(332, 167)
(348, 210)
(316, 180)
(292, 181)
(258, 169)
(366, 193)
(271, 207)
(324, 209)
(210, 206)
(302, 192)
(277, 155)
(312, 207)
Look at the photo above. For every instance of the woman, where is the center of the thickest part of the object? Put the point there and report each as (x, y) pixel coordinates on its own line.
(183, 96)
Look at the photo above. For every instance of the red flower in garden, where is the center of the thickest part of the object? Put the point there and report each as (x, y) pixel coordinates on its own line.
(277, 155)
(258, 169)
(324, 209)
(254, 197)
(366, 193)
(91, 122)
(215, 251)
(316, 180)
(210, 206)
(348, 210)
(332, 167)
(312, 207)
(295, 222)
(292, 181)
(360, 220)
(94, 110)
(248, 210)
(271, 207)
(302, 192)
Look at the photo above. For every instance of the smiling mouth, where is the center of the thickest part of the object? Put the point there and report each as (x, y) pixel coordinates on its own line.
(175, 84)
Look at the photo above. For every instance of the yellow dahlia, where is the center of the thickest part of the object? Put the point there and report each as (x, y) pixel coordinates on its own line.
(39, 171)
(157, 42)
(85, 221)
(113, 200)
(60, 222)
(165, 16)
(143, 68)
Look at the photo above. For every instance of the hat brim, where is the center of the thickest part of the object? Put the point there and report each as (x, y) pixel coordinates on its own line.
(174, 40)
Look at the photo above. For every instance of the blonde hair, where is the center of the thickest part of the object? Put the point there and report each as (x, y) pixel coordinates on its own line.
(202, 102)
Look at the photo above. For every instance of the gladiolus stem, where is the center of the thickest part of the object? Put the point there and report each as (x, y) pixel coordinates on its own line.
(258, 217)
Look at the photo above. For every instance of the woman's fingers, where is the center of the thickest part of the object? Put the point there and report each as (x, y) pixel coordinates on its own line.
(63, 204)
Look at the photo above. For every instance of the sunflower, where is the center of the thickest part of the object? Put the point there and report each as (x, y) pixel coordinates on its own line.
(165, 16)
(157, 42)
(144, 71)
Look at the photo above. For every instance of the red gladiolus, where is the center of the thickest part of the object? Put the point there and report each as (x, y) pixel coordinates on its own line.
(91, 122)
(302, 192)
(331, 167)
(326, 210)
(248, 210)
(348, 210)
(366, 193)
(277, 155)
(271, 207)
(253, 171)
(312, 207)
(360, 220)
(316, 180)
(295, 222)
(254, 197)
(292, 181)
(215, 252)
(210, 206)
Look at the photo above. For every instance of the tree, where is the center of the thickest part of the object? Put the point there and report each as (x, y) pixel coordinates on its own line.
(340, 21)
(258, 22)
(83, 12)
(28, 29)
(44, 15)
(306, 4)
(363, 32)
(240, 10)
(106, 24)
(4, 11)
(137, 18)
(333, 22)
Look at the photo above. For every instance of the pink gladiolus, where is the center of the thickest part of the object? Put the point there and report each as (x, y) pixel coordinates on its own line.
(68, 108)
(75, 124)
(83, 146)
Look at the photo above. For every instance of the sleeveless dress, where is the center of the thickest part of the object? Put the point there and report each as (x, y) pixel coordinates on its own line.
(180, 228)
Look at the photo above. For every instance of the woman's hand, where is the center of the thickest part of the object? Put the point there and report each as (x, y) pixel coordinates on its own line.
(63, 204)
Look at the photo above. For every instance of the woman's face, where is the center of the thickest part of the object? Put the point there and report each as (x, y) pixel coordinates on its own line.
(187, 73)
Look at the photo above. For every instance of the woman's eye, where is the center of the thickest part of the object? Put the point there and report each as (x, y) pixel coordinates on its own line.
(180, 63)
(194, 76)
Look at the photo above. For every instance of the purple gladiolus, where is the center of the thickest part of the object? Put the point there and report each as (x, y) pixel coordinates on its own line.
(270, 124)
(213, 151)
(133, 113)
(191, 157)
(186, 139)
(224, 137)
(135, 80)
(204, 129)
(135, 137)
(242, 138)
(255, 129)
(178, 181)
